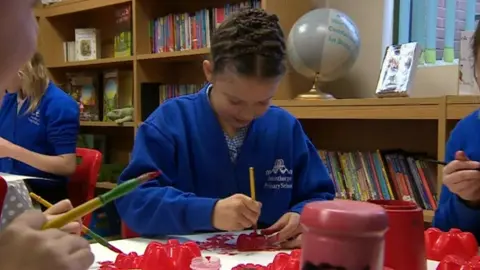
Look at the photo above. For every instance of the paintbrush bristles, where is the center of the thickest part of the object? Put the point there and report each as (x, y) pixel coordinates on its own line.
(148, 176)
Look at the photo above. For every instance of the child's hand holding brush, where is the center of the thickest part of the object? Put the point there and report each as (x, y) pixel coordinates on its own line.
(60, 208)
(462, 177)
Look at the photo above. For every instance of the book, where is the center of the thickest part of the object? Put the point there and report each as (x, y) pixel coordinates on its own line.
(123, 31)
(398, 70)
(117, 92)
(87, 44)
(69, 51)
(83, 87)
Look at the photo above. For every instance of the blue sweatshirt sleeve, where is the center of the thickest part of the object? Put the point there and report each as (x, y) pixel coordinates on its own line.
(63, 125)
(311, 179)
(157, 207)
(452, 211)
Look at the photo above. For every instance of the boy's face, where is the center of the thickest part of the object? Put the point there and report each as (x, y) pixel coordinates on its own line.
(18, 33)
(238, 100)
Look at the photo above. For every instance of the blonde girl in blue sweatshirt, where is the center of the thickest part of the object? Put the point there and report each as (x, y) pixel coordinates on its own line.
(39, 124)
(205, 143)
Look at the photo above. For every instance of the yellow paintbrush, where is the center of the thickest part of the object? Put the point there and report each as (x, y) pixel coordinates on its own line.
(92, 205)
(102, 241)
(252, 191)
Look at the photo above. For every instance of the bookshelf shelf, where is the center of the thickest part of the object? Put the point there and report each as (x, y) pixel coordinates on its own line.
(105, 124)
(75, 6)
(181, 55)
(461, 106)
(99, 63)
(395, 108)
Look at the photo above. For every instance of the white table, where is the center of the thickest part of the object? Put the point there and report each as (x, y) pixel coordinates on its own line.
(228, 261)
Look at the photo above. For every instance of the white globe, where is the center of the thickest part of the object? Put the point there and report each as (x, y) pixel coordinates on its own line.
(323, 41)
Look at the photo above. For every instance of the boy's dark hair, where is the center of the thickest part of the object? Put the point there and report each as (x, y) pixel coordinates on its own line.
(476, 43)
(251, 43)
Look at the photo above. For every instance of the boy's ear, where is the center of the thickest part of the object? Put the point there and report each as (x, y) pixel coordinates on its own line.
(208, 70)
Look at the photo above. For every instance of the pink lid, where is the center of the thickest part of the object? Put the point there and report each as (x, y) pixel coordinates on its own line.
(344, 216)
(395, 204)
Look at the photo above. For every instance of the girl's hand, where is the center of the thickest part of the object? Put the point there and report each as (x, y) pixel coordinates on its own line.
(59, 209)
(288, 231)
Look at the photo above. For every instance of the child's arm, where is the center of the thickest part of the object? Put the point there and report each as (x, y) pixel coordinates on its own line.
(157, 208)
(452, 212)
(311, 179)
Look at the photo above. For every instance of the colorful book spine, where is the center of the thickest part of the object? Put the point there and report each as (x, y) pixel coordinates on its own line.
(382, 175)
(187, 31)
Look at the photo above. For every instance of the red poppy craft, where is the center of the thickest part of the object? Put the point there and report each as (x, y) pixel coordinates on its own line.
(171, 256)
(252, 242)
(453, 262)
(439, 244)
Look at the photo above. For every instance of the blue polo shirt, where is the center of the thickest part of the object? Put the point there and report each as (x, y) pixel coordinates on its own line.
(51, 129)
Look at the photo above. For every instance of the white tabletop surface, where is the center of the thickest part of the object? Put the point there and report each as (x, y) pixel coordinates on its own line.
(228, 261)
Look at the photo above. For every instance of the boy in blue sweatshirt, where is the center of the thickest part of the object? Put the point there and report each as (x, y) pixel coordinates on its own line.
(459, 205)
(205, 143)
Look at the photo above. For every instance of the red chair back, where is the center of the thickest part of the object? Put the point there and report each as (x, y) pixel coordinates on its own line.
(81, 186)
(3, 192)
(127, 232)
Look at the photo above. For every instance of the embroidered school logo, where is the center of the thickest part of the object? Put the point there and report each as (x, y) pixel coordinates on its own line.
(34, 117)
(279, 177)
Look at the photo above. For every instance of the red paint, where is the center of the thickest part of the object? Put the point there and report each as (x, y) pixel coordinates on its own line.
(454, 242)
(251, 242)
(154, 174)
(171, 256)
(219, 243)
(453, 262)
(282, 261)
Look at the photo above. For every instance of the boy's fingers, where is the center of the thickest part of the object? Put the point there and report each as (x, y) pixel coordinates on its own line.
(59, 208)
(31, 218)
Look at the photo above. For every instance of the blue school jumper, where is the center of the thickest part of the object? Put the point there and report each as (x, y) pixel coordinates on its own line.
(51, 129)
(184, 140)
(452, 211)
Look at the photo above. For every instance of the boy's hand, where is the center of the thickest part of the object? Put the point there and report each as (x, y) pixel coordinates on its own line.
(61, 208)
(288, 231)
(236, 213)
(24, 245)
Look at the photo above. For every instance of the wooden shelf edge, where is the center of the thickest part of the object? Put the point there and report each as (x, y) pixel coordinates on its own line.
(463, 99)
(74, 6)
(94, 63)
(359, 102)
(105, 124)
(428, 215)
(179, 54)
(106, 185)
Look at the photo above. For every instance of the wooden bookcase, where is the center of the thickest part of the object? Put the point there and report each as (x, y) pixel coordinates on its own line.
(413, 124)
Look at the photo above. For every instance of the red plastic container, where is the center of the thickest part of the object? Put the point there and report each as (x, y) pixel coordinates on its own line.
(404, 241)
(343, 233)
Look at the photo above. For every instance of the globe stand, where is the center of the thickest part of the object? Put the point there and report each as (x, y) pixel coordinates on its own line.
(315, 93)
